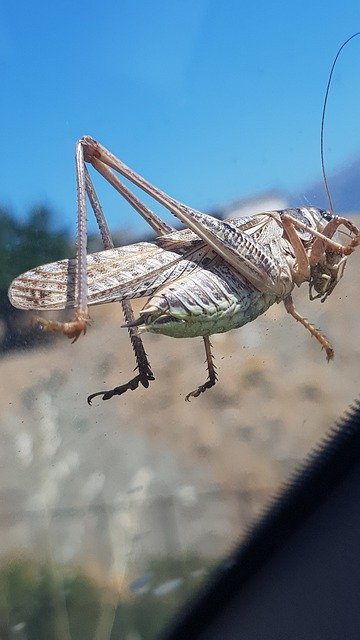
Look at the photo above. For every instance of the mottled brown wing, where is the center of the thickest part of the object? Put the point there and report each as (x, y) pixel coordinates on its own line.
(116, 274)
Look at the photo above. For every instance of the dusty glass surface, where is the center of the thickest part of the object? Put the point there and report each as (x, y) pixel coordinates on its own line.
(111, 516)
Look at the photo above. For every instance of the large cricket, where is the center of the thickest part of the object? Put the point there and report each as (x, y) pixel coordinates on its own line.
(210, 277)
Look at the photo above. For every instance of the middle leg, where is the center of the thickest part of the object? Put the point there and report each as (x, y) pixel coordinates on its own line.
(212, 375)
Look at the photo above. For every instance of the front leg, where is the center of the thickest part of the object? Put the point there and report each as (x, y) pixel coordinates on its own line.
(321, 243)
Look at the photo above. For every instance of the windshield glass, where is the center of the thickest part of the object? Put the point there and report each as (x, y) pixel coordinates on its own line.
(114, 514)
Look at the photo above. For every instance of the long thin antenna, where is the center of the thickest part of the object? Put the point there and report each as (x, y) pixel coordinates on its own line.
(323, 118)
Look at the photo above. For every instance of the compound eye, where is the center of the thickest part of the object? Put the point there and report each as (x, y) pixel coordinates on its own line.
(326, 215)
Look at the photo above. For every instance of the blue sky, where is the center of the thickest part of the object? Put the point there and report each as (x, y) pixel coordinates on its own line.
(211, 101)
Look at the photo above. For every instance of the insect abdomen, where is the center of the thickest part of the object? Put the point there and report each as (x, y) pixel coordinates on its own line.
(204, 303)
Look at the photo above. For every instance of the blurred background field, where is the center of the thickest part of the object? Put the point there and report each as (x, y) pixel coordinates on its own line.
(139, 496)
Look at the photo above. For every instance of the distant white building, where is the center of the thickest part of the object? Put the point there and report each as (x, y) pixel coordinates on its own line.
(267, 201)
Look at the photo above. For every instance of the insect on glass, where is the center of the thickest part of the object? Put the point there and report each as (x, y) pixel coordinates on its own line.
(211, 277)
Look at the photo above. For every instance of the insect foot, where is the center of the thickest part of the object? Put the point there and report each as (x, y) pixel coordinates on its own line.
(72, 329)
(201, 388)
(142, 378)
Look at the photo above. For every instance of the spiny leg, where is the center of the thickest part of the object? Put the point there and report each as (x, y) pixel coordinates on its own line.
(158, 225)
(212, 375)
(289, 306)
(78, 325)
(142, 364)
(145, 374)
(74, 328)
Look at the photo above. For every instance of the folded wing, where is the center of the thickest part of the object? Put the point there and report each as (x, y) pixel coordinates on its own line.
(116, 274)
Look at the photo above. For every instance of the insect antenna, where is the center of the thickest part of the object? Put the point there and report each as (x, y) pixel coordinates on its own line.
(354, 35)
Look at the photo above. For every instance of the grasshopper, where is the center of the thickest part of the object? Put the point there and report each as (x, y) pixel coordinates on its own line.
(211, 277)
